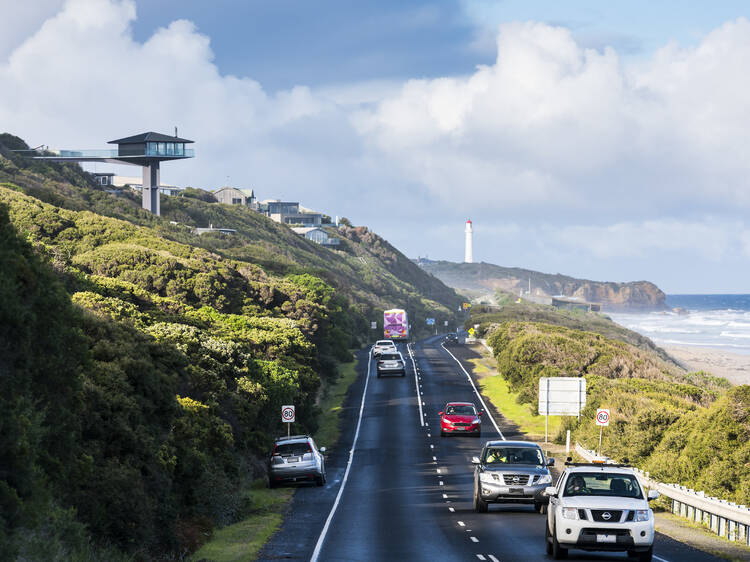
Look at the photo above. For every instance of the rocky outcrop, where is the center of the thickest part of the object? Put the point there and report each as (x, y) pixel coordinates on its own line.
(634, 295)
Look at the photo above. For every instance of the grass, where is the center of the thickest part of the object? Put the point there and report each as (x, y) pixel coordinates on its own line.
(330, 406)
(497, 390)
(243, 540)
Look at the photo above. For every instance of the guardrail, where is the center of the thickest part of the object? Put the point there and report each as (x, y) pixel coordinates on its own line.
(726, 519)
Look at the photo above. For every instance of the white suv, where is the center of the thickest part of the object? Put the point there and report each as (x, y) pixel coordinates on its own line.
(599, 507)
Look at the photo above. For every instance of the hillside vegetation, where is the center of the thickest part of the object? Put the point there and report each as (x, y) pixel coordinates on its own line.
(689, 428)
(144, 367)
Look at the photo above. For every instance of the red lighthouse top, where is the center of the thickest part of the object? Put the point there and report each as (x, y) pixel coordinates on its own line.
(468, 221)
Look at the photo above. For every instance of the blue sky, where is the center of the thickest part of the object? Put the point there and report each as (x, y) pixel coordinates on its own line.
(605, 140)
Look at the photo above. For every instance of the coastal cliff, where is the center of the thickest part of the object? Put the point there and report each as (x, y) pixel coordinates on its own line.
(488, 278)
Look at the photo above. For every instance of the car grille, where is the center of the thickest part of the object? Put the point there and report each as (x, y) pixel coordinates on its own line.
(604, 531)
(461, 424)
(614, 515)
(516, 479)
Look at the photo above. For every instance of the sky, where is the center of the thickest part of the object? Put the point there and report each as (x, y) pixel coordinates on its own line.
(600, 140)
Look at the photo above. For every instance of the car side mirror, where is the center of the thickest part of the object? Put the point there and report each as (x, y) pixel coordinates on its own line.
(480, 413)
(550, 491)
(322, 449)
(475, 460)
(440, 413)
(652, 495)
(550, 462)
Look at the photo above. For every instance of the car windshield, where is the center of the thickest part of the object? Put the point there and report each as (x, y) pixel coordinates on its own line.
(292, 449)
(385, 343)
(387, 356)
(602, 484)
(514, 455)
(460, 410)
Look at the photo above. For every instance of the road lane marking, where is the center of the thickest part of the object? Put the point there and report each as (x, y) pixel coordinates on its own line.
(441, 483)
(481, 400)
(416, 385)
(451, 509)
(428, 435)
(324, 532)
(493, 558)
(655, 557)
(474, 539)
(438, 470)
(481, 557)
(462, 524)
(432, 446)
(445, 496)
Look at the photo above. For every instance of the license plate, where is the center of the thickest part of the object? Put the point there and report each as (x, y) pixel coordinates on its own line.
(515, 490)
(293, 459)
(606, 538)
(460, 429)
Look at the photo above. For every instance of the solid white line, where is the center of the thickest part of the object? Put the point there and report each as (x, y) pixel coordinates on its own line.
(493, 558)
(474, 539)
(486, 410)
(416, 384)
(322, 537)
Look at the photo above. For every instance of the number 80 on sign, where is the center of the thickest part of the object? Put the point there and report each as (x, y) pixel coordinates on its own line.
(602, 417)
(287, 414)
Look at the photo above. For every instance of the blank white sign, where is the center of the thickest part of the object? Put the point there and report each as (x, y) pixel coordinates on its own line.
(561, 396)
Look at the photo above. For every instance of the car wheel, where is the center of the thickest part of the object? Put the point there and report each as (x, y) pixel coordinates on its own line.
(480, 506)
(645, 556)
(378, 374)
(547, 539)
(320, 480)
(272, 484)
(443, 433)
(558, 552)
(538, 507)
(478, 434)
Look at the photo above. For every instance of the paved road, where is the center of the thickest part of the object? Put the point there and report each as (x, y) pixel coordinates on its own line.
(408, 495)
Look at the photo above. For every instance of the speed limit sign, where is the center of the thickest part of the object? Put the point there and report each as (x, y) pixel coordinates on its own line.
(287, 414)
(602, 417)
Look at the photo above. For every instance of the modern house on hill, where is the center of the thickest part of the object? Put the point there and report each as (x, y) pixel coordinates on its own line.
(236, 196)
(317, 235)
(147, 150)
(290, 213)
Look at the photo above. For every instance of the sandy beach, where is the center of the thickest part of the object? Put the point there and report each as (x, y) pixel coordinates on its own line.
(734, 367)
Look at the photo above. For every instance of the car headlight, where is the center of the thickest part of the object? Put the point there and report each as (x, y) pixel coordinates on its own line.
(570, 512)
(488, 477)
(641, 515)
(545, 479)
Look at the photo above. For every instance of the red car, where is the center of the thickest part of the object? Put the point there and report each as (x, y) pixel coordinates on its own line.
(460, 417)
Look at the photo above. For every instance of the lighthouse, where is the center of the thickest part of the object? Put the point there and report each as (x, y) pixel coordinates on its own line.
(468, 257)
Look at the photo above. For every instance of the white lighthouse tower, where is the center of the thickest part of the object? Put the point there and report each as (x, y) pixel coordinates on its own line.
(468, 257)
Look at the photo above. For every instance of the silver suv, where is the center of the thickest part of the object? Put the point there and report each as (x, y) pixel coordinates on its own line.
(391, 363)
(511, 472)
(296, 459)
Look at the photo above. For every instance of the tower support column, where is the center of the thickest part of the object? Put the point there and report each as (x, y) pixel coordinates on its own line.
(151, 187)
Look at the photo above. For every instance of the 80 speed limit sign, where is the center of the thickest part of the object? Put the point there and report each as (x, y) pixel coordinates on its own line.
(287, 414)
(602, 417)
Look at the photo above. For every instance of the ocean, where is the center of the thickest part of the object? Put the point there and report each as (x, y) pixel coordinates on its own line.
(717, 321)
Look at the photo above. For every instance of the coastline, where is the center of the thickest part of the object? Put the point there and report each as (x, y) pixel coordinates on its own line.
(735, 367)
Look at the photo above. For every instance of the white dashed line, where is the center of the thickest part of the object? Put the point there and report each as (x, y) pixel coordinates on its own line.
(493, 558)
(451, 509)
(434, 458)
(461, 524)
(474, 539)
(441, 483)
(432, 446)
(445, 496)
(438, 470)
(428, 435)
(481, 557)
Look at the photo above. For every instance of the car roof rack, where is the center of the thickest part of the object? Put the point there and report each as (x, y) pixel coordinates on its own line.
(602, 463)
(290, 437)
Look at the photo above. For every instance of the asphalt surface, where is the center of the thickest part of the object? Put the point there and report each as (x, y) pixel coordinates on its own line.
(408, 493)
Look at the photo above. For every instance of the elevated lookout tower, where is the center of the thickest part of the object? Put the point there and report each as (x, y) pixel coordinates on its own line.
(146, 150)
